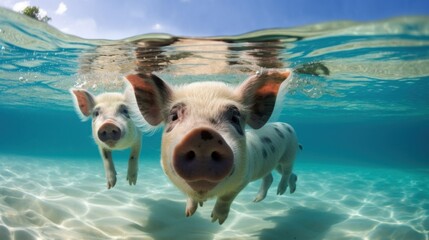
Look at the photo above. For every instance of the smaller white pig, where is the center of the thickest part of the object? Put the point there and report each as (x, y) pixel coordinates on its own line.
(206, 151)
(112, 128)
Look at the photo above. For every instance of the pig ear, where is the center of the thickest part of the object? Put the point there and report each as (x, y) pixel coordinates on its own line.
(259, 93)
(151, 93)
(83, 101)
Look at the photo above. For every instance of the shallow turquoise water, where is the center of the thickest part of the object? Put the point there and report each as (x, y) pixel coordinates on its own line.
(358, 102)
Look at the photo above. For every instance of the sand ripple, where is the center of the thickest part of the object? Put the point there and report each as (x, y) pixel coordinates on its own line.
(66, 199)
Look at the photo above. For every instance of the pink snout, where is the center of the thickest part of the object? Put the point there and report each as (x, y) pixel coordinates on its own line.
(109, 133)
(203, 159)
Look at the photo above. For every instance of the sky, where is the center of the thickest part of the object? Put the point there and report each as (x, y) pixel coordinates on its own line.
(118, 19)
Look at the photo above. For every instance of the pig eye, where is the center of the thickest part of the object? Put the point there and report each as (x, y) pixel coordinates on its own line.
(176, 112)
(96, 113)
(124, 111)
(233, 115)
(174, 116)
(235, 119)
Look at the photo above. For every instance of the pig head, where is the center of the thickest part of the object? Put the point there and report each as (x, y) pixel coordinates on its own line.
(204, 150)
(112, 128)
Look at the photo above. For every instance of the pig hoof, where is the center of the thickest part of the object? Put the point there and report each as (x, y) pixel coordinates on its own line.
(111, 181)
(132, 179)
(221, 217)
(191, 207)
(259, 198)
(281, 189)
(292, 182)
(190, 211)
(111, 184)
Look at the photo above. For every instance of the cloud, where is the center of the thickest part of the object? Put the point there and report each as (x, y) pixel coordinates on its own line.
(62, 8)
(42, 12)
(19, 6)
(157, 27)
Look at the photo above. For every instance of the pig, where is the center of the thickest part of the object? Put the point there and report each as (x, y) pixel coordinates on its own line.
(206, 150)
(112, 128)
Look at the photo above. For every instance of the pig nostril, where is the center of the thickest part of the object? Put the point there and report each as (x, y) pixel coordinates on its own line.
(103, 134)
(189, 156)
(216, 156)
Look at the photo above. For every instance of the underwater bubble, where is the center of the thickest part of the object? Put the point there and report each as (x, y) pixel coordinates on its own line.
(23, 79)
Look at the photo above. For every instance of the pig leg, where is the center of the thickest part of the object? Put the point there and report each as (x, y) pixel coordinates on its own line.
(288, 179)
(291, 179)
(292, 182)
(191, 207)
(265, 185)
(283, 184)
(222, 206)
(109, 167)
(133, 163)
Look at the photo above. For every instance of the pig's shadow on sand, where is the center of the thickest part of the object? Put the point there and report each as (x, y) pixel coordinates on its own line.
(166, 220)
(302, 223)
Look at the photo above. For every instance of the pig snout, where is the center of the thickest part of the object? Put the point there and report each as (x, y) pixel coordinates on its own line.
(109, 133)
(203, 158)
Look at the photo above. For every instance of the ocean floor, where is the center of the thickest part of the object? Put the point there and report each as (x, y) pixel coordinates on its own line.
(68, 199)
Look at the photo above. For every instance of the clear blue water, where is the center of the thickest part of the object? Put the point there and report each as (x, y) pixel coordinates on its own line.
(359, 103)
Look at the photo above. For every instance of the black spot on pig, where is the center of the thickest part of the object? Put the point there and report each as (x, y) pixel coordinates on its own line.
(264, 153)
(267, 140)
(205, 135)
(279, 133)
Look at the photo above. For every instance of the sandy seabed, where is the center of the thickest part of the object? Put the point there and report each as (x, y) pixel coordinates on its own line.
(68, 199)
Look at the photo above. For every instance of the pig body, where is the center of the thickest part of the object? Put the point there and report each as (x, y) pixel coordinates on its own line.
(206, 150)
(273, 146)
(112, 128)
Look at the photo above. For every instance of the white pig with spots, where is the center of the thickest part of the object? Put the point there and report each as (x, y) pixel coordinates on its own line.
(206, 151)
(112, 128)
